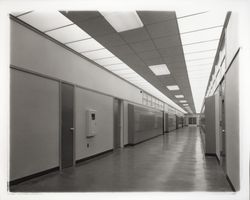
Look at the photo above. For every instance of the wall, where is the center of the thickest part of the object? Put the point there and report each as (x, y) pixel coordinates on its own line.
(143, 123)
(37, 99)
(103, 140)
(34, 122)
(232, 102)
(232, 123)
(171, 122)
(32, 51)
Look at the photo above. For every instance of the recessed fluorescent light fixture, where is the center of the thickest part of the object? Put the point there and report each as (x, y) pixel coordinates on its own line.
(183, 101)
(159, 70)
(123, 21)
(179, 96)
(173, 87)
(185, 104)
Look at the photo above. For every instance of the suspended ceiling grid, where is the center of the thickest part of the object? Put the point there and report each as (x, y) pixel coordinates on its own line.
(157, 42)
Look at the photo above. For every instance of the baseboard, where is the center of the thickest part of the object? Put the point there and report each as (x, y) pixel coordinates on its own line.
(214, 155)
(230, 183)
(26, 178)
(94, 156)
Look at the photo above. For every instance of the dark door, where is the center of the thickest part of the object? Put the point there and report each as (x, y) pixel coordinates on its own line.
(222, 129)
(117, 123)
(67, 124)
(177, 122)
(166, 122)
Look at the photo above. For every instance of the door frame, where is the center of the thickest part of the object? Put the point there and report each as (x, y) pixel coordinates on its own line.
(60, 123)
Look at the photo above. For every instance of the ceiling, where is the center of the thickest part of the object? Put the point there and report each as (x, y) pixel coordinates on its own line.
(185, 42)
(157, 42)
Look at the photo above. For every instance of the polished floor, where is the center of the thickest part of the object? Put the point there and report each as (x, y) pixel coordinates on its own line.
(172, 162)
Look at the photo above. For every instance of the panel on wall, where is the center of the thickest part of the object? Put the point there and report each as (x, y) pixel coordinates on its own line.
(34, 135)
(143, 123)
(171, 122)
(232, 122)
(210, 134)
(103, 140)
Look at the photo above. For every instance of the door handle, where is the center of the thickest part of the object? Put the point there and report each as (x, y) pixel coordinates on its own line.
(72, 129)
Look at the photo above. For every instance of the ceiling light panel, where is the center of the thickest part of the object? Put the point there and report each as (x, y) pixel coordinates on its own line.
(98, 54)
(200, 55)
(123, 21)
(68, 34)
(159, 70)
(200, 36)
(185, 104)
(45, 21)
(117, 67)
(179, 96)
(183, 101)
(201, 21)
(198, 47)
(108, 61)
(173, 87)
(189, 12)
(199, 62)
(85, 45)
(16, 14)
(125, 71)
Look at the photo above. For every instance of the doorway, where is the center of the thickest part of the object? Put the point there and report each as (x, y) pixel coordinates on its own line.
(222, 127)
(118, 123)
(67, 126)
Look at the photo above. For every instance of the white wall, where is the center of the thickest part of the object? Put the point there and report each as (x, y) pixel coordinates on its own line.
(32, 51)
(34, 135)
(103, 139)
(232, 123)
(232, 101)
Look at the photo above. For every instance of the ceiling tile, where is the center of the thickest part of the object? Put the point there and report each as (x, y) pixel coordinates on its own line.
(176, 60)
(68, 34)
(167, 42)
(135, 35)
(149, 55)
(163, 29)
(121, 50)
(143, 46)
(113, 39)
(173, 51)
(149, 17)
(78, 16)
(45, 21)
(96, 27)
(204, 46)
(199, 36)
(153, 61)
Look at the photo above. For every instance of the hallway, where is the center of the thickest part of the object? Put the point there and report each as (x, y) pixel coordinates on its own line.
(172, 162)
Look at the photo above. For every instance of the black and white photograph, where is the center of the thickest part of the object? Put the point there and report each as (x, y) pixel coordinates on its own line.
(145, 101)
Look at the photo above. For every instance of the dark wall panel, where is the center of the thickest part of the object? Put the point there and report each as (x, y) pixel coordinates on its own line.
(143, 123)
(171, 122)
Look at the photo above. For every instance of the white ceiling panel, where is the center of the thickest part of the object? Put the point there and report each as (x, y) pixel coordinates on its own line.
(124, 71)
(45, 21)
(68, 34)
(201, 21)
(85, 45)
(117, 67)
(193, 48)
(108, 61)
(200, 55)
(102, 53)
(188, 12)
(199, 36)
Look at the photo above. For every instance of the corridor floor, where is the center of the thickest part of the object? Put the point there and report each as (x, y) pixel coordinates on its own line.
(172, 162)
